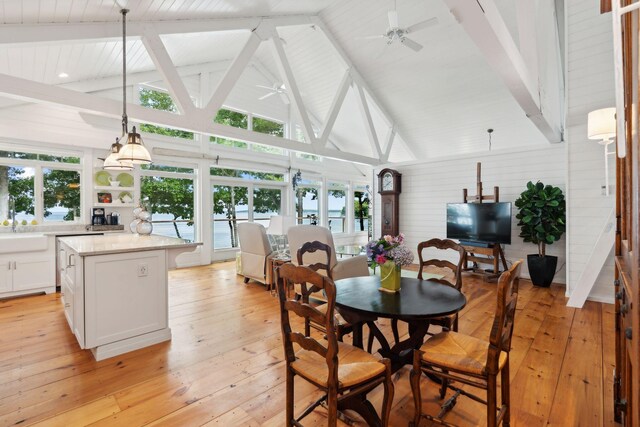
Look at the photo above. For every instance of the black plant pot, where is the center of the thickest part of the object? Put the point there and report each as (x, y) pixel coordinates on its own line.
(542, 269)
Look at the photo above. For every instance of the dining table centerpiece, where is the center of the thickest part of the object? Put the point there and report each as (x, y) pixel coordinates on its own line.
(391, 254)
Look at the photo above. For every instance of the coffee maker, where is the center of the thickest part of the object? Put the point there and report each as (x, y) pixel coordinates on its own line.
(98, 216)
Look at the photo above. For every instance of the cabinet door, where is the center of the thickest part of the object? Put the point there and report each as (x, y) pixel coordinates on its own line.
(67, 302)
(5, 276)
(33, 274)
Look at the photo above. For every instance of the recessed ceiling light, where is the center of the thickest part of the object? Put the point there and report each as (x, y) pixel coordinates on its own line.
(63, 75)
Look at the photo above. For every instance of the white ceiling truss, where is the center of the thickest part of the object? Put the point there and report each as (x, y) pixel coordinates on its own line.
(200, 118)
(516, 65)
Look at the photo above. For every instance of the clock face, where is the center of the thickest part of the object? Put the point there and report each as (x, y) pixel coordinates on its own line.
(387, 182)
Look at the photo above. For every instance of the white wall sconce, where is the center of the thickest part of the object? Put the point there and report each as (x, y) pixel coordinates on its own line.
(601, 126)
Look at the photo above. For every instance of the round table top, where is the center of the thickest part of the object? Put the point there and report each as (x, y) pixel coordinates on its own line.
(417, 299)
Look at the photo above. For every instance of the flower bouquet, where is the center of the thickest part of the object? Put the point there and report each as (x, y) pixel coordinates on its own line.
(390, 253)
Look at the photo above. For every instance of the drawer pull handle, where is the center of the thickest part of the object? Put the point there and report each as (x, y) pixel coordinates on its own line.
(624, 308)
(628, 333)
(67, 304)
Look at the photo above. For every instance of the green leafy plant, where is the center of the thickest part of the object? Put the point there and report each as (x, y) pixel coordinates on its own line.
(542, 215)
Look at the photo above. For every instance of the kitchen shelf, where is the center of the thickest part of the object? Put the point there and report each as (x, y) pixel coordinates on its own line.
(114, 205)
(111, 188)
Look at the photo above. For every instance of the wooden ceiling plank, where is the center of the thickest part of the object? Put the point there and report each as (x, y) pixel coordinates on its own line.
(160, 57)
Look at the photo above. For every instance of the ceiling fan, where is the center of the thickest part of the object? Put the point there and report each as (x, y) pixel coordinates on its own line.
(276, 89)
(395, 33)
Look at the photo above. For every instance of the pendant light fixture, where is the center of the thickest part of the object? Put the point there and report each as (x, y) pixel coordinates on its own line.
(134, 150)
(113, 163)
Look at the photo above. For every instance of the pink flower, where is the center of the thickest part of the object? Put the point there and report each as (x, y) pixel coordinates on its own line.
(401, 238)
(380, 259)
(388, 238)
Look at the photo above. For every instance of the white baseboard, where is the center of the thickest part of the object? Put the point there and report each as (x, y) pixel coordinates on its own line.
(134, 343)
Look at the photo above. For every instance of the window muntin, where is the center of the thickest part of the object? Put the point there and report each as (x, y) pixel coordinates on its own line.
(336, 207)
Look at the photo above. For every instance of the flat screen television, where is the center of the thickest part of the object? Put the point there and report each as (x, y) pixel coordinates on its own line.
(479, 222)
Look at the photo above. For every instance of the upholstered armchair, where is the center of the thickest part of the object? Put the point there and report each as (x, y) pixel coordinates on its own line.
(340, 269)
(255, 253)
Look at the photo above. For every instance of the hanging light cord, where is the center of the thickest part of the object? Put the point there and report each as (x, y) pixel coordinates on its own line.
(125, 120)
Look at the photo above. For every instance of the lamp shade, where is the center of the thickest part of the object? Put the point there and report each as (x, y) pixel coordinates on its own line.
(601, 124)
(135, 151)
(113, 162)
(280, 224)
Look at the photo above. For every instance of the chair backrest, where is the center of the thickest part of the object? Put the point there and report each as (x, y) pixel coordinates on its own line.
(300, 234)
(253, 238)
(312, 247)
(502, 329)
(443, 244)
(310, 281)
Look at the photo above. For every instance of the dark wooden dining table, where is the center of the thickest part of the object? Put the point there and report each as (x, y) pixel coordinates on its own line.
(361, 302)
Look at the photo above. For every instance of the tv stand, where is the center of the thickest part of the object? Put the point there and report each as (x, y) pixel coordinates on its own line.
(490, 253)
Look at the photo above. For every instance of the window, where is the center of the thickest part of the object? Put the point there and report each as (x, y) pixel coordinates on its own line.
(361, 212)
(160, 101)
(234, 119)
(61, 194)
(168, 193)
(307, 209)
(241, 195)
(337, 207)
(43, 187)
(267, 126)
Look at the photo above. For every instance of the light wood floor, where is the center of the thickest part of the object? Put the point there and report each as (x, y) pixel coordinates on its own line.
(224, 365)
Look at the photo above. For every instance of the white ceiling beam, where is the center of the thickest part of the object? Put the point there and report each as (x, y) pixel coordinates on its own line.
(358, 79)
(391, 136)
(33, 33)
(20, 88)
(336, 105)
(368, 122)
(160, 57)
(292, 87)
(483, 23)
(231, 76)
(527, 37)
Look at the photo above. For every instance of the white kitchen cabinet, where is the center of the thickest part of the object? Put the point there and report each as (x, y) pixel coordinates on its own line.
(25, 273)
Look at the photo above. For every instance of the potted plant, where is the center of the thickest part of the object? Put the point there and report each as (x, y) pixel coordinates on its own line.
(390, 253)
(541, 219)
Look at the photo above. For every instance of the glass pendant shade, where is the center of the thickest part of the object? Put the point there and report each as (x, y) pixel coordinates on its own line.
(112, 161)
(135, 151)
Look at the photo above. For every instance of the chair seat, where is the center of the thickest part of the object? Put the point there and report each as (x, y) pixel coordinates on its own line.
(458, 352)
(338, 320)
(354, 366)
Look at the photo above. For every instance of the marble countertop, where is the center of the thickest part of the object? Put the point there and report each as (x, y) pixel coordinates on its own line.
(123, 242)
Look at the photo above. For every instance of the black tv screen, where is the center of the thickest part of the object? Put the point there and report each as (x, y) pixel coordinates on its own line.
(479, 222)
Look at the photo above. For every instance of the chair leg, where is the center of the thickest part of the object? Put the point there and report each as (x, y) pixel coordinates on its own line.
(370, 342)
(506, 397)
(444, 385)
(394, 329)
(414, 378)
(491, 400)
(307, 328)
(340, 333)
(289, 402)
(246, 279)
(455, 323)
(332, 408)
(388, 395)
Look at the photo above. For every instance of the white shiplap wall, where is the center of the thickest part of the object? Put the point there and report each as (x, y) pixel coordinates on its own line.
(428, 186)
(590, 86)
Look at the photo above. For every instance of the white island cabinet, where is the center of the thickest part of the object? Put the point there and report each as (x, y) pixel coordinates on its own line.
(115, 290)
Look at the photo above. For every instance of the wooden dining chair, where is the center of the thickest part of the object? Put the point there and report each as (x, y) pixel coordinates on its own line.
(452, 356)
(345, 373)
(447, 322)
(342, 326)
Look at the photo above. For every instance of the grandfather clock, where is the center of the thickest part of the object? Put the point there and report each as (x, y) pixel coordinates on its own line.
(389, 189)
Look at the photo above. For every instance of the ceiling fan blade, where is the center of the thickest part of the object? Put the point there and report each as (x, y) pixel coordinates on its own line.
(266, 96)
(411, 44)
(422, 25)
(266, 87)
(393, 19)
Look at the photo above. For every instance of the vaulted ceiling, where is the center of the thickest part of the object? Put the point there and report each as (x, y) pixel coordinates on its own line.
(442, 98)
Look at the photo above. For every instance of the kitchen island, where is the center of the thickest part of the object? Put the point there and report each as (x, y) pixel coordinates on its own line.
(115, 290)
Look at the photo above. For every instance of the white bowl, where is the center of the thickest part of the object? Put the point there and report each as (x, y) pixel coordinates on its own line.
(114, 183)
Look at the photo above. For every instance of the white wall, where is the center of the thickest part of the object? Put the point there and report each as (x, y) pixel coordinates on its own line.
(590, 86)
(428, 186)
